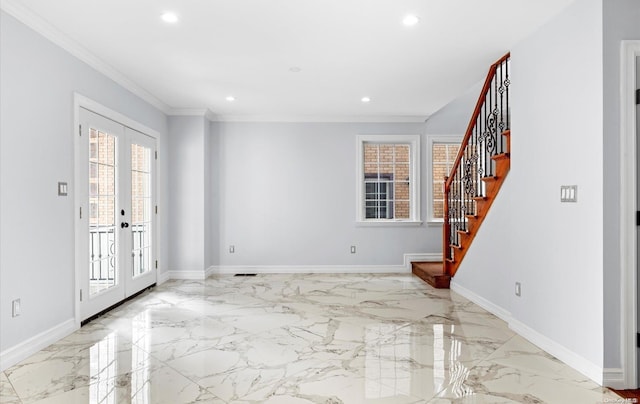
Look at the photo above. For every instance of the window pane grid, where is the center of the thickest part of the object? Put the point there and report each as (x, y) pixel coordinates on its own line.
(102, 211)
(387, 180)
(140, 209)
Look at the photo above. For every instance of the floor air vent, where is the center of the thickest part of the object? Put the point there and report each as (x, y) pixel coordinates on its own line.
(244, 275)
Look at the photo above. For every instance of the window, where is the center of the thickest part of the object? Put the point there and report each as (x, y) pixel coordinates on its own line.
(388, 179)
(378, 196)
(443, 151)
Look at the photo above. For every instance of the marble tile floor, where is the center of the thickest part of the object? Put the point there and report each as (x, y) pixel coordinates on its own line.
(355, 338)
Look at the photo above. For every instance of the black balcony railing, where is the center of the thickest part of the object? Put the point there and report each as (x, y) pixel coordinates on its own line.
(102, 251)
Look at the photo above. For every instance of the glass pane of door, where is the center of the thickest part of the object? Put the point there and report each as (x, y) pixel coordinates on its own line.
(141, 209)
(103, 251)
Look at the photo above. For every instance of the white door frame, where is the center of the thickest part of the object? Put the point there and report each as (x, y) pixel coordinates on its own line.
(628, 204)
(80, 101)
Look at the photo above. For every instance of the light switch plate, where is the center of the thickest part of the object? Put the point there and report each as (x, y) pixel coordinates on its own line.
(15, 308)
(568, 193)
(62, 189)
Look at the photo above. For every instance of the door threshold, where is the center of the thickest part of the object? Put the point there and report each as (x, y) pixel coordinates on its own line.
(99, 314)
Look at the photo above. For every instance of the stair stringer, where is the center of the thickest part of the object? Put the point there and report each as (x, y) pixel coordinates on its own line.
(487, 270)
(503, 164)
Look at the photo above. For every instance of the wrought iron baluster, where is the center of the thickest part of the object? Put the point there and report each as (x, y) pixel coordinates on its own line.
(140, 235)
(93, 264)
(100, 277)
(483, 129)
(502, 125)
(460, 198)
(494, 116)
(475, 143)
(483, 143)
(449, 216)
(506, 84)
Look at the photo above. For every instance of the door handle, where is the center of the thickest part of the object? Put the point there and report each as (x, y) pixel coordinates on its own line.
(124, 225)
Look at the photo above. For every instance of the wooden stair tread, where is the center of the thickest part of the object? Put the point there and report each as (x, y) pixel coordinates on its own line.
(482, 206)
(432, 273)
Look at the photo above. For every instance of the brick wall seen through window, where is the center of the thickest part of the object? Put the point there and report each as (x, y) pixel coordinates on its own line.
(387, 181)
(443, 156)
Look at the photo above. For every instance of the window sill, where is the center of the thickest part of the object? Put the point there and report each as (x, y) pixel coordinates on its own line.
(433, 223)
(388, 223)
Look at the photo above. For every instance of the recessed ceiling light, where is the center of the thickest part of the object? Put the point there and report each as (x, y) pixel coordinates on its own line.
(169, 17)
(295, 69)
(230, 98)
(365, 99)
(410, 20)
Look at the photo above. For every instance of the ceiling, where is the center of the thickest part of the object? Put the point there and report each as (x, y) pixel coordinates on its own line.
(344, 50)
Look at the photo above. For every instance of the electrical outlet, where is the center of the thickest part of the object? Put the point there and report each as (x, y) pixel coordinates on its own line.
(232, 249)
(518, 289)
(353, 249)
(15, 308)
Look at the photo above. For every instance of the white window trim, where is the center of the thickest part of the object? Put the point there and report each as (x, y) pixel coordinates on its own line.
(414, 142)
(431, 140)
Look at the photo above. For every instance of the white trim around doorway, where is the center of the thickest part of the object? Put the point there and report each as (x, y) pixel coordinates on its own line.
(628, 207)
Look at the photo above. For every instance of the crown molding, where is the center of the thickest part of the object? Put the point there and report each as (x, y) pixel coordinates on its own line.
(205, 112)
(44, 28)
(213, 117)
(320, 118)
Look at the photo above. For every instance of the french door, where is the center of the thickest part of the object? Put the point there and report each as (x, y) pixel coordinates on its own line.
(116, 192)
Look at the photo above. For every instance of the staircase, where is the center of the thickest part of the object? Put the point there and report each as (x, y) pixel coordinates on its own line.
(480, 168)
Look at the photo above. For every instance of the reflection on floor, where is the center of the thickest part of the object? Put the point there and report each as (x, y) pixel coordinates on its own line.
(630, 394)
(296, 339)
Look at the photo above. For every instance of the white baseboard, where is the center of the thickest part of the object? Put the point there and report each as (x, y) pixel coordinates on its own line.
(309, 269)
(163, 277)
(404, 268)
(582, 365)
(481, 301)
(421, 257)
(192, 275)
(614, 378)
(23, 350)
(210, 271)
(606, 377)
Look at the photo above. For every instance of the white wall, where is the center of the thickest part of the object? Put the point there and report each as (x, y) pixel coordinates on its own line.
(287, 197)
(454, 117)
(37, 82)
(213, 206)
(208, 203)
(555, 250)
(187, 228)
(621, 21)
